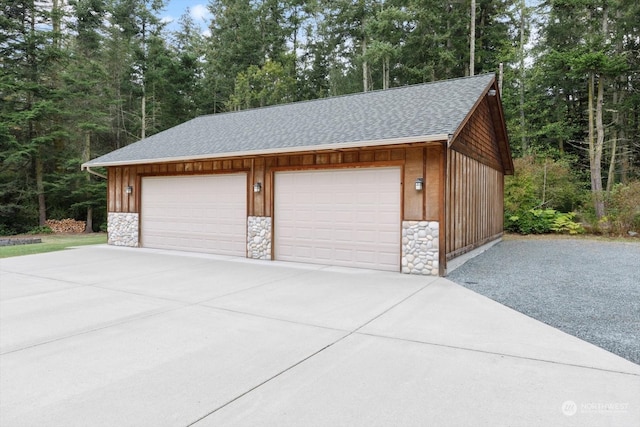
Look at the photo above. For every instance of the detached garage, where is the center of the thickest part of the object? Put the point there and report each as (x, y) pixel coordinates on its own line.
(403, 180)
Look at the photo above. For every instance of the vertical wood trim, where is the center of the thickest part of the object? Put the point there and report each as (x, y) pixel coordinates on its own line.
(118, 190)
(401, 201)
(251, 196)
(433, 177)
(126, 198)
(138, 194)
(442, 210)
(413, 199)
(110, 190)
(268, 184)
(259, 176)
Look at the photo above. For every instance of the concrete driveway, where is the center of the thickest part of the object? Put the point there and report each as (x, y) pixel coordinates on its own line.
(105, 336)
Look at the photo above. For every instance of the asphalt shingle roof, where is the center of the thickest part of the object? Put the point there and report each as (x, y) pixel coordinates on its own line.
(424, 110)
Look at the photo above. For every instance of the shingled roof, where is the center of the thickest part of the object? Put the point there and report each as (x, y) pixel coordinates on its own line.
(425, 112)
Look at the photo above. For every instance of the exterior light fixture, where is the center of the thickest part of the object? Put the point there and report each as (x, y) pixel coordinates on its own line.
(257, 187)
(419, 184)
(492, 92)
(128, 189)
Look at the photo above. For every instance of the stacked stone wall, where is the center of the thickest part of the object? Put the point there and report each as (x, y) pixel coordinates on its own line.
(259, 237)
(420, 247)
(122, 229)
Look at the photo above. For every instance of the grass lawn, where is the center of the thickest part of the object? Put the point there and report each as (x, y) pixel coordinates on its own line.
(53, 242)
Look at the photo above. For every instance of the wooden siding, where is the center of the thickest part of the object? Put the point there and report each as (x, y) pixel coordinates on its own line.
(413, 169)
(474, 204)
(433, 173)
(417, 161)
(478, 140)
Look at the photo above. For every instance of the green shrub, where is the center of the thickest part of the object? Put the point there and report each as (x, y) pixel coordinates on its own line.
(541, 188)
(41, 229)
(541, 221)
(6, 231)
(532, 221)
(564, 223)
(622, 208)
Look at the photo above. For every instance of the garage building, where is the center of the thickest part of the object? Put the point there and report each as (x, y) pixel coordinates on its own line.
(404, 180)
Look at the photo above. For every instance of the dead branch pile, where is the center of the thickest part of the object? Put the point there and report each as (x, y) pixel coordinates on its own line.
(66, 225)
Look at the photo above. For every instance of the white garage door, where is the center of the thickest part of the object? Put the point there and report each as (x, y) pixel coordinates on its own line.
(195, 213)
(345, 217)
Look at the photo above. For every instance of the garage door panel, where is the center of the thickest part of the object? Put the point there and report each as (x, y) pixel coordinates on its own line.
(195, 213)
(388, 238)
(348, 217)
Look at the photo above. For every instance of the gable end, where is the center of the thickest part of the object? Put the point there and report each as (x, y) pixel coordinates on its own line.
(478, 138)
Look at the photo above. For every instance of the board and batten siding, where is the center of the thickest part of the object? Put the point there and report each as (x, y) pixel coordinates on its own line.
(417, 161)
(475, 186)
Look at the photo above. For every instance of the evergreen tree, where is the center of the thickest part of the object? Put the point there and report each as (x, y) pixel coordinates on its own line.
(32, 55)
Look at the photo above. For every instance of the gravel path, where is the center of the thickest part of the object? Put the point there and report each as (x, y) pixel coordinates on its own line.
(586, 288)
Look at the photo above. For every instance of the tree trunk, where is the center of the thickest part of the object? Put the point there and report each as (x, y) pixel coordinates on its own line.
(523, 123)
(42, 205)
(86, 156)
(617, 100)
(143, 108)
(595, 145)
(596, 164)
(599, 144)
(618, 128)
(625, 163)
(472, 39)
(447, 69)
(365, 66)
(55, 22)
(385, 73)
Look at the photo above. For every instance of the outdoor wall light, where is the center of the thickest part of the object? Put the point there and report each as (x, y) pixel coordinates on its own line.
(492, 92)
(257, 187)
(128, 189)
(419, 184)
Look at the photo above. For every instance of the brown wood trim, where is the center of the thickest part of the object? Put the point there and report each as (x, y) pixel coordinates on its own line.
(272, 186)
(196, 173)
(423, 201)
(402, 197)
(376, 148)
(469, 248)
(443, 201)
(137, 192)
(364, 165)
(497, 115)
(110, 188)
(250, 194)
(118, 190)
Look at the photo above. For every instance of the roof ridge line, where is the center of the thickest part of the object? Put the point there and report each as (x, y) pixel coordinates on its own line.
(348, 95)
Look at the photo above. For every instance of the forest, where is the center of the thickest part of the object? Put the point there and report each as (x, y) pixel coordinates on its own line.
(80, 78)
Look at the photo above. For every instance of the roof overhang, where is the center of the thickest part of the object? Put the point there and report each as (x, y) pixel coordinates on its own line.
(253, 153)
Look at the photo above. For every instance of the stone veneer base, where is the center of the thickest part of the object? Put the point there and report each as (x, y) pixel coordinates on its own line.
(420, 247)
(259, 237)
(122, 229)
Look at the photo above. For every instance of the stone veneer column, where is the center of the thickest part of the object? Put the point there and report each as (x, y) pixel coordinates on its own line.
(122, 229)
(420, 247)
(259, 237)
